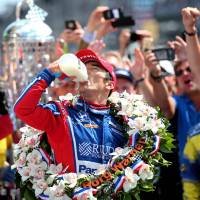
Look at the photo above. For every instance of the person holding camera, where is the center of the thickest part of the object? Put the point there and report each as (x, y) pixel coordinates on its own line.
(183, 109)
(81, 136)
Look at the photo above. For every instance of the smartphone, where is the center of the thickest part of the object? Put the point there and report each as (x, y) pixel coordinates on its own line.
(164, 53)
(123, 22)
(114, 13)
(70, 24)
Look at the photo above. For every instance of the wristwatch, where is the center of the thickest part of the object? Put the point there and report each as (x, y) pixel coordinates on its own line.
(190, 33)
(156, 75)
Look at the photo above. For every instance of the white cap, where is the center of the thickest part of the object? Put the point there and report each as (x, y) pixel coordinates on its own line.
(167, 66)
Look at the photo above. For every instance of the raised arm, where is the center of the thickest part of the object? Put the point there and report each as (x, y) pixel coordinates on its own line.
(27, 107)
(189, 17)
(161, 94)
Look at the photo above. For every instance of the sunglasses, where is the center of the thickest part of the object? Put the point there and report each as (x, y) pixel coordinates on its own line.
(181, 71)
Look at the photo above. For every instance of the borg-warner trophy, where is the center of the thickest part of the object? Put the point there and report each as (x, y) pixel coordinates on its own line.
(27, 47)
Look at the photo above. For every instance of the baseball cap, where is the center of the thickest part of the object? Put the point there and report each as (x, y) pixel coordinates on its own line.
(167, 67)
(124, 73)
(87, 55)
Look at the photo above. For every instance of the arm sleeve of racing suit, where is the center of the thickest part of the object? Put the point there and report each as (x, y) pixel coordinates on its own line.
(28, 109)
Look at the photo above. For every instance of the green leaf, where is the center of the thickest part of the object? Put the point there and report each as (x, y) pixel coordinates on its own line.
(127, 197)
(29, 195)
(137, 196)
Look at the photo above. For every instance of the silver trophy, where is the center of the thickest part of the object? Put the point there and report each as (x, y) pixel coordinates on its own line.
(27, 47)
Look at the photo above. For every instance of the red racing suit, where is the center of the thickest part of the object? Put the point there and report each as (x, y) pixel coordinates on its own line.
(81, 136)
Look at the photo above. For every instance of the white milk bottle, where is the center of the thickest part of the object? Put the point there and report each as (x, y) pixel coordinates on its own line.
(70, 65)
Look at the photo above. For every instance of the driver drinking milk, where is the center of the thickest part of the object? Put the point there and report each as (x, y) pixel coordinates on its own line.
(81, 136)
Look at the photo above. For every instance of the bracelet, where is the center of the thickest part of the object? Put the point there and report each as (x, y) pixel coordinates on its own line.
(190, 34)
(89, 36)
(156, 78)
(139, 81)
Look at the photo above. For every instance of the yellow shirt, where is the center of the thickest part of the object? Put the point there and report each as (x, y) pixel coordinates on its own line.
(5, 143)
(191, 169)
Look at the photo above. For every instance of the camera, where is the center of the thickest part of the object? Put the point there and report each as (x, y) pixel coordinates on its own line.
(123, 22)
(114, 13)
(70, 24)
(164, 53)
(135, 37)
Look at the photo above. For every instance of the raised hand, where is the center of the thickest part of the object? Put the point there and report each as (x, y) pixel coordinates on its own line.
(97, 46)
(189, 17)
(138, 68)
(150, 60)
(105, 28)
(124, 38)
(72, 36)
(180, 47)
(96, 18)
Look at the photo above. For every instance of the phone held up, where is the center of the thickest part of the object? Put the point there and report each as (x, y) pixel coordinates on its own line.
(114, 13)
(70, 24)
(164, 53)
(119, 19)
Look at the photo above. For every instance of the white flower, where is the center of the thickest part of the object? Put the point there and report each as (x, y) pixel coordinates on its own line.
(137, 97)
(16, 152)
(119, 152)
(55, 169)
(34, 157)
(39, 186)
(114, 97)
(57, 192)
(71, 179)
(25, 172)
(22, 160)
(68, 97)
(145, 172)
(38, 171)
(124, 103)
(154, 125)
(131, 180)
(138, 123)
(31, 142)
(21, 143)
(130, 110)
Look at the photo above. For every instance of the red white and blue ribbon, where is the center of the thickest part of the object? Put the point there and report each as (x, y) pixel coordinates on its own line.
(43, 196)
(80, 191)
(118, 183)
(133, 139)
(45, 156)
(156, 145)
(137, 165)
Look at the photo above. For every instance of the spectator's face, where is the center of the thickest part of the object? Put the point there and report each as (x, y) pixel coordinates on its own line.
(125, 85)
(185, 78)
(97, 81)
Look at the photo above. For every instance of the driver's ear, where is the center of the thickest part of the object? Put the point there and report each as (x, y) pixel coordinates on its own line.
(110, 85)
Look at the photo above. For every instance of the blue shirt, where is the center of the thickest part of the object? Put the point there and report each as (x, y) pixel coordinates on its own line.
(188, 116)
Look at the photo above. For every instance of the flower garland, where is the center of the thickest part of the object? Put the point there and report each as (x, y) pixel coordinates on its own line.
(131, 169)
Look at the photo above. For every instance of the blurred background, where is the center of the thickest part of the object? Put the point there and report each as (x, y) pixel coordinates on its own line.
(162, 17)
